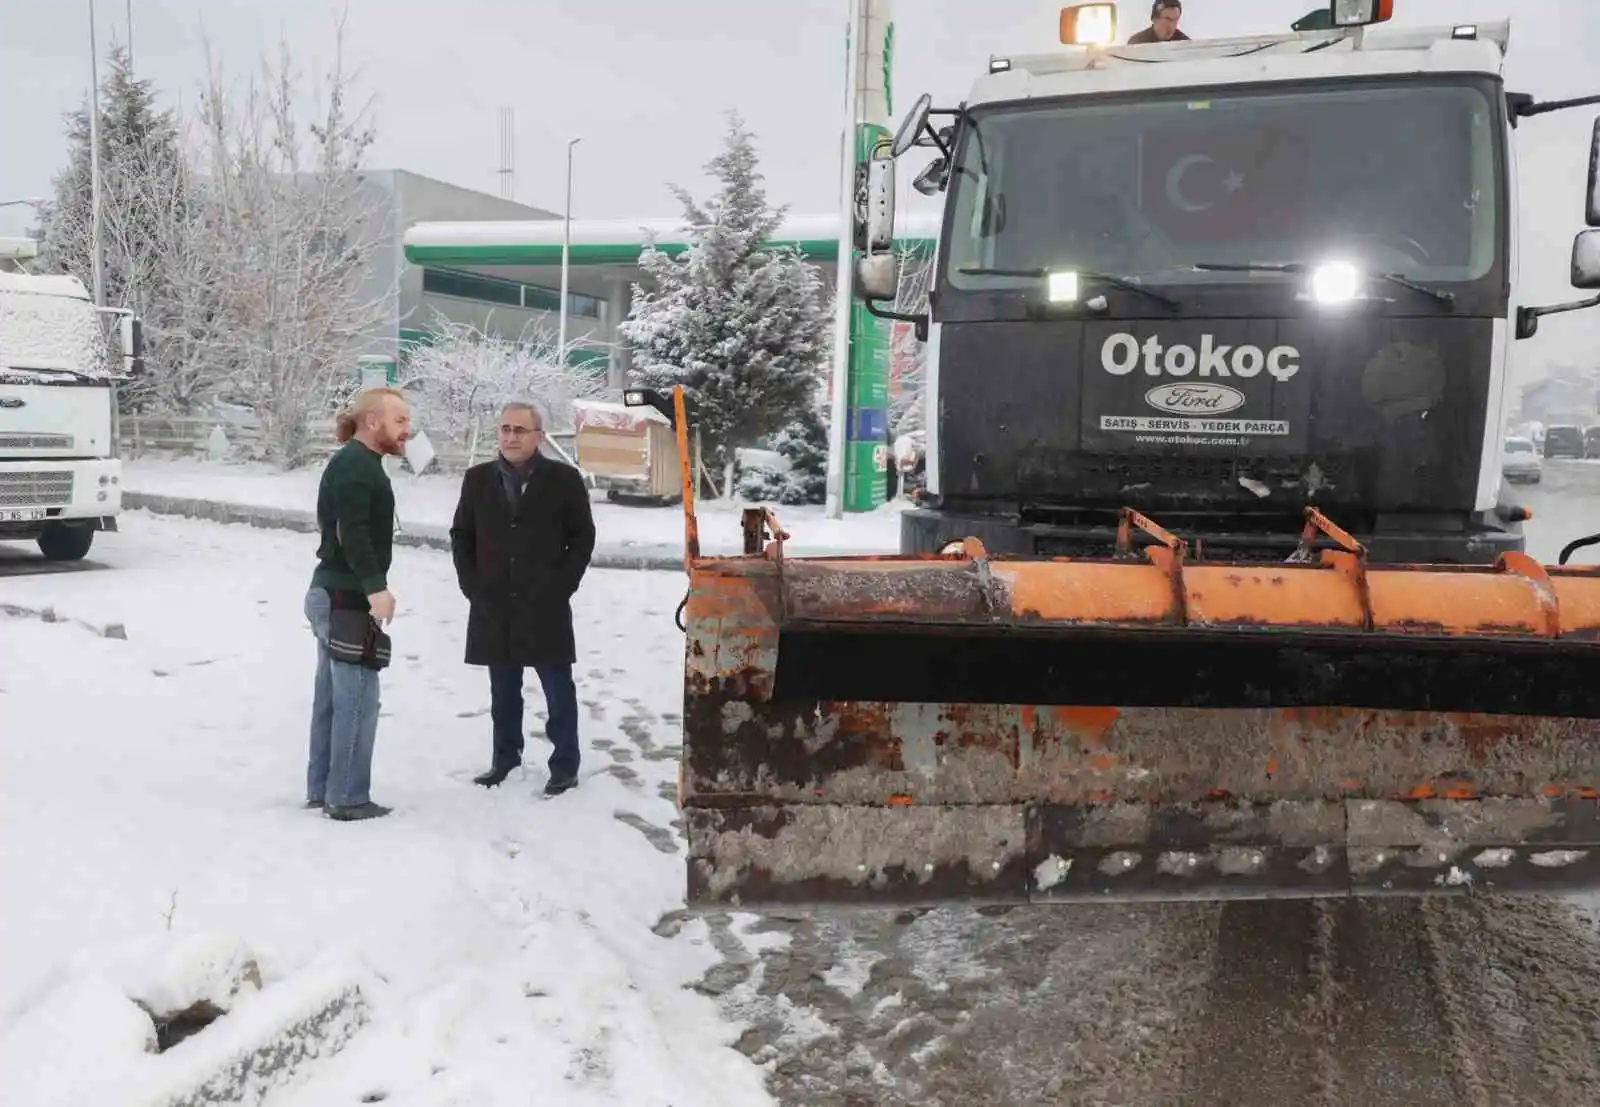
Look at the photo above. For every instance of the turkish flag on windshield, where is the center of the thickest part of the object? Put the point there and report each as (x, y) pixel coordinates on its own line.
(1211, 184)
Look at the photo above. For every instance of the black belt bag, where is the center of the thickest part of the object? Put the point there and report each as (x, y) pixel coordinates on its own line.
(355, 637)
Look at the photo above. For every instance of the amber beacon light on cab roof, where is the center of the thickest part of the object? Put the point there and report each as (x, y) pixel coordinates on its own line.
(1214, 589)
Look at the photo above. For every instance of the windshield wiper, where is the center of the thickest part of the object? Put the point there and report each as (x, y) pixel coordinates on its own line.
(42, 370)
(1443, 296)
(1104, 278)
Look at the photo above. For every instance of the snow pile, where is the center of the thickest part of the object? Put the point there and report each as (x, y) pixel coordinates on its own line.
(82, 1042)
(503, 944)
(147, 1021)
(47, 323)
(168, 974)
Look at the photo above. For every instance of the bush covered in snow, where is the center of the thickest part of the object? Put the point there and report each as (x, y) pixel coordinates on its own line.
(804, 444)
(462, 377)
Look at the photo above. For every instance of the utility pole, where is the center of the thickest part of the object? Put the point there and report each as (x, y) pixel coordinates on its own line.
(566, 250)
(130, 34)
(839, 409)
(96, 260)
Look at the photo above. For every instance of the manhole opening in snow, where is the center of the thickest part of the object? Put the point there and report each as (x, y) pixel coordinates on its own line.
(184, 1024)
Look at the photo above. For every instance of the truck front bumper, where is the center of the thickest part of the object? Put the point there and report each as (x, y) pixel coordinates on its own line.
(928, 532)
(33, 493)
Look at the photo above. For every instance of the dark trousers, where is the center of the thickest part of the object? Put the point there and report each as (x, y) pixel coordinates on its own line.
(561, 702)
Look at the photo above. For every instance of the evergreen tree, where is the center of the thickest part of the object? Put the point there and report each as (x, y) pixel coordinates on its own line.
(143, 201)
(804, 444)
(745, 330)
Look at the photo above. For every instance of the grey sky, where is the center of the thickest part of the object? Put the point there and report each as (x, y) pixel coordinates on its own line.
(646, 84)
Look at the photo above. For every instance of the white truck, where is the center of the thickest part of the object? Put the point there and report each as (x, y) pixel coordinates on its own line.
(60, 476)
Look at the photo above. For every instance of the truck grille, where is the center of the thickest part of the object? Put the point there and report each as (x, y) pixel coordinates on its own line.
(35, 441)
(1209, 467)
(46, 488)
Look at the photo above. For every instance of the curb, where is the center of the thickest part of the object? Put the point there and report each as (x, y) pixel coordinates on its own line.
(420, 535)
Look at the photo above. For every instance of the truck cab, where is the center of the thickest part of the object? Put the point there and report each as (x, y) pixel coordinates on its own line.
(60, 476)
(1219, 281)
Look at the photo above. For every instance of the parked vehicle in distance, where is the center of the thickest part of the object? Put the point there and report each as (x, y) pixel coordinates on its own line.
(1519, 461)
(1591, 441)
(1563, 440)
(60, 476)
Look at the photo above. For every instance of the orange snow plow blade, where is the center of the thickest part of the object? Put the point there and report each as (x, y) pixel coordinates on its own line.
(896, 730)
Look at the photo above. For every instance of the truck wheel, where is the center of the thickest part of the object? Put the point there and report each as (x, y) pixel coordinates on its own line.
(59, 542)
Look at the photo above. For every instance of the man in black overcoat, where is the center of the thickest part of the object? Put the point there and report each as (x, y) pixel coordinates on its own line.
(522, 537)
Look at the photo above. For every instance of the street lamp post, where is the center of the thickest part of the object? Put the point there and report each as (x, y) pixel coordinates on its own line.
(566, 251)
(94, 166)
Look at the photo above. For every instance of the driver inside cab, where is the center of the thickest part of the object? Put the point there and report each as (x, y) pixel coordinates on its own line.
(1164, 16)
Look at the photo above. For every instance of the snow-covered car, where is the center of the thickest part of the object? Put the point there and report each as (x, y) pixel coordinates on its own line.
(1519, 461)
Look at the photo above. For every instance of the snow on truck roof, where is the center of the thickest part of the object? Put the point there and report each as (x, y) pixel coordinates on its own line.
(48, 323)
(44, 285)
(1292, 56)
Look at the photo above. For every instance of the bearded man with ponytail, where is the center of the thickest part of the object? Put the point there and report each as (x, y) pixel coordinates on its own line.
(355, 516)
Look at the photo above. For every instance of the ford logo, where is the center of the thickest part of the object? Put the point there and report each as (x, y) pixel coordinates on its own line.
(1194, 399)
(12, 402)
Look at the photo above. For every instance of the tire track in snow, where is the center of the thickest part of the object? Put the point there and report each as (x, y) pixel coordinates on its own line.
(1480, 1001)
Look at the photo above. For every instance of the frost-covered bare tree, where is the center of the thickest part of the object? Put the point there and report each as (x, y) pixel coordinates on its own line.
(915, 266)
(287, 241)
(147, 205)
(462, 376)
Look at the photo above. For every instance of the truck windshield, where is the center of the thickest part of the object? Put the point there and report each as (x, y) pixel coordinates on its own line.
(1399, 178)
(49, 333)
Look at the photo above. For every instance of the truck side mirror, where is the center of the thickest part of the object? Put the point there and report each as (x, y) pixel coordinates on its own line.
(1585, 274)
(880, 204)
(876, 278)
(132, 340)
(1586, 260)
(911, 127)
(1591, 208)
(934, 179)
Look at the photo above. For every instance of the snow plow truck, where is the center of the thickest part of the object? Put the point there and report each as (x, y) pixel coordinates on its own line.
(1213, 590)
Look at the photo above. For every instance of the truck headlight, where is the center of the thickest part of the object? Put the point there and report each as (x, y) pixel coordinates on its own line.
(1335, 283)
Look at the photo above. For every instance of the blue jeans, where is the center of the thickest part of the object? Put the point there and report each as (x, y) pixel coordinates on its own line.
(505, 709)
(344, 719)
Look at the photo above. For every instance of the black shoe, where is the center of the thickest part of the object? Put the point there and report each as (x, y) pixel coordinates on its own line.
(358, 812)
(315, 805)
(559, 784)
(494, 776)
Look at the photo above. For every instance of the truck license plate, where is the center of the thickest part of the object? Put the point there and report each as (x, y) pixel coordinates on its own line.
(21, 514)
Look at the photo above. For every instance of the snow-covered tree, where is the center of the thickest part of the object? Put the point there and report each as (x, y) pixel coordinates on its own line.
(462, 377)
(746, 329)
(245, 246)
(288, 240)
(803, 443)
(146, 204)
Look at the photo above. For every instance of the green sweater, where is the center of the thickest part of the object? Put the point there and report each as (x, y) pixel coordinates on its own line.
(355, 514)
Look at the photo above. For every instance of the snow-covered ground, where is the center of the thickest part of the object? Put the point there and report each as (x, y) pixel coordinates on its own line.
(429, 501)
(509, 949)
(503, 942)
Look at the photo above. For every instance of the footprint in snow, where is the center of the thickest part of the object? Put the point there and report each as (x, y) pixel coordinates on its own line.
(663, 839)
(626, 775)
